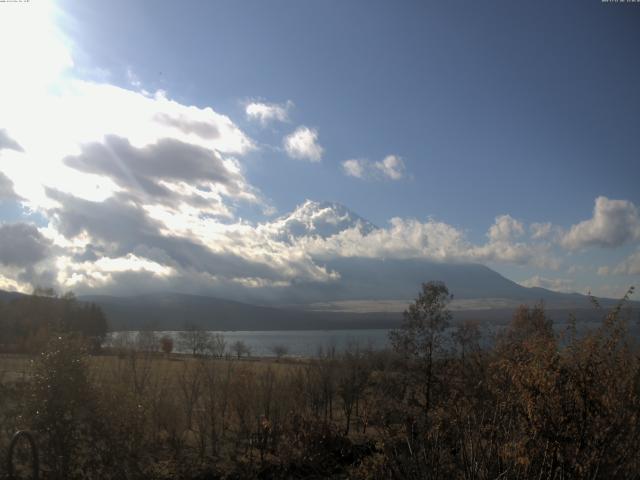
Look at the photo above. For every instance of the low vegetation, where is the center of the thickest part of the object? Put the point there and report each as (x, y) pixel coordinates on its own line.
(536, 403)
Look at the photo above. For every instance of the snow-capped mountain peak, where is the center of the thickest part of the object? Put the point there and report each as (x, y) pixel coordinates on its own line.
(323, 219)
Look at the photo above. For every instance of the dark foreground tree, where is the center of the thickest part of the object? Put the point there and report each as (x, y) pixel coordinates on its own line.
(420, 338)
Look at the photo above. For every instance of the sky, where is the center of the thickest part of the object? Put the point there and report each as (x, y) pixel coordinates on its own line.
(203, 146)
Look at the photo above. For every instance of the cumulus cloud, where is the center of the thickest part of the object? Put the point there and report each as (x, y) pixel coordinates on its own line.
(303, 144)
(169, 171)
(355, 167)
(562, 285)
(614, 223)
(504, 247)
(390, 168)
(629, 266)
(268, 112)
(403, 238)
(203, 129)
(544, 231)
(120, 230)
(505, 229)
(22, 245)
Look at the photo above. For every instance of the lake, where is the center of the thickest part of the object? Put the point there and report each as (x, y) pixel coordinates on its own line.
(307, 343)
(300, 343)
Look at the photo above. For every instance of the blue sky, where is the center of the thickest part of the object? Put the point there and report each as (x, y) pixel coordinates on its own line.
(469, 115)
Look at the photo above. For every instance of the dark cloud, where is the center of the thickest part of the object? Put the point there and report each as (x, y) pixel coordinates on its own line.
(22, 245)
(39, 278)
(6, 189)
(205, 130)
(141, 170)
(91, 253)
(7, 142)
(120, 227)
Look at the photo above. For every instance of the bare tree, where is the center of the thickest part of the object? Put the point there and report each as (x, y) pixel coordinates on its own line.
(166, 344)
(147, 341)
(194, 339)
(279, 351)
(217, 345)
(122, 342)
(190, 383)
(240, 348)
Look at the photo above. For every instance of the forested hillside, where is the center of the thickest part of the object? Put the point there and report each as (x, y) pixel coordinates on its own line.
(28, 321)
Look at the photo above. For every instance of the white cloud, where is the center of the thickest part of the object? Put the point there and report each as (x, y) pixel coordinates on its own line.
(303, 144)
(391, 167)
(430, 240)
(404, 238)
(268, 112)
(629, 266)
(562, 285)
(354, 167)
(545, 231)
(95, 274)
(505, 228)
(614, 223)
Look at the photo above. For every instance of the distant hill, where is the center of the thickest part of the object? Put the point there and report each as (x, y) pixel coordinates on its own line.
(8, 296)
(479, 293)
(172, 311)
(375, 279)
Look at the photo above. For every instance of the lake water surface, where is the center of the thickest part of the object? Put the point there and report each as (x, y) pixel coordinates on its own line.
(307, 343)
(300, 343)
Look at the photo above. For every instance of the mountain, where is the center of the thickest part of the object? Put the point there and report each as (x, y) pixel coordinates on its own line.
(172, 311)
(323, 219)
(371, 293)
(8, 296)
(374, 279)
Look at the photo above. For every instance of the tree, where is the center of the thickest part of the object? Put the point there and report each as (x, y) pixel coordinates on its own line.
(240, 348)
(467, 338)
(217, 345)
(279, 351)
(420, 336)
(530, 326)
(166, 344)
(147, 341)
(194, 339)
